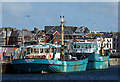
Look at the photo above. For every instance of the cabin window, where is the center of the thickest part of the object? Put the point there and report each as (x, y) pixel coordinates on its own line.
(89, 46)
(34, 50)
(52, 49)
(56, 36)
(58, 49)
(74, 46)
(110, 45)
(28, 51)
(82, 46)
(46, 50)
(31, 50)
(78, 46)
(41, 50)
(37, 50)
(107, 45)
(117, 45)
(86, 46)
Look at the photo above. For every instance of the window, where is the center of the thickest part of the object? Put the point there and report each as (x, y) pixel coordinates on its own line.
(41, 33)
(114, 45)
(78, 46)
(34, 50)
(89, 46)
(46, 50)
(110, 45)
(2, 39)
(41, 50)
(56, 36)
(51, 30)
(74, 46)
(86, 46)
(13, 39)
(107, 45)
(49, 37)
(82, 46)
(117, 45)
(114, 39)
(110, 40)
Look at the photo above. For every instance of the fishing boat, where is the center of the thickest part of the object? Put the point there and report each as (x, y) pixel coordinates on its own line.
(48, 58)
(97, 57)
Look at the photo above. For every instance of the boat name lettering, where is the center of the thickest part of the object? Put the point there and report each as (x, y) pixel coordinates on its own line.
(29, 60)
(58, 62)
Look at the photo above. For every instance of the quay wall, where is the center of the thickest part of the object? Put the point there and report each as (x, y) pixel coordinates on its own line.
(114, 61)
(6, 68)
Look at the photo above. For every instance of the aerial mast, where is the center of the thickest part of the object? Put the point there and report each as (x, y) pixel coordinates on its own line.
(62, 37)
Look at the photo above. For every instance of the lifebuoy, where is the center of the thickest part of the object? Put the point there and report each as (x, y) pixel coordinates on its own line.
(27, 57)
(44, 57)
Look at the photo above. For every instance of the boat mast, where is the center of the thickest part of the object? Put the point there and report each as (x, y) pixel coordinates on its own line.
(62, 21)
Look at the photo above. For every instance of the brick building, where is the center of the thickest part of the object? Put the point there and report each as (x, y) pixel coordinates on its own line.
(53, 34)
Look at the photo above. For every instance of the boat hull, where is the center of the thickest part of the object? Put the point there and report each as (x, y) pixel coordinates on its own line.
(95, 61)
(35, 65)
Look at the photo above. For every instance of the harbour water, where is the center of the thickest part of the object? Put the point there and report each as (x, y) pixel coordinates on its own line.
(112, 73)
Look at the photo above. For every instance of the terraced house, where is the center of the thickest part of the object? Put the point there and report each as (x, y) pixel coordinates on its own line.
(53, 34)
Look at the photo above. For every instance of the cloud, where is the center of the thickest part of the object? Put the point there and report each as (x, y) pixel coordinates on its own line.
(16, 9)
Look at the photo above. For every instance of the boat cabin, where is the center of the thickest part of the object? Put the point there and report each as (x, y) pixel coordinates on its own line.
(41, 52)
(84, 47)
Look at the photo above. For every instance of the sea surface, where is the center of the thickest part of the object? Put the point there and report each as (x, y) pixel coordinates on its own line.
(112, 73)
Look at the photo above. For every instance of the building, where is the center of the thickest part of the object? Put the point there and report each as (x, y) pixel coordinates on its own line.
(12, 36)
(53, 34)
(80, 32)
(29, 38)
(16, 38)
(4, 37)
(40, 36)
(107, 41)
(5, 34)
(116, 42)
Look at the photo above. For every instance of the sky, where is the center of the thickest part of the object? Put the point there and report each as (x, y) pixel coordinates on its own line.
(103, 14)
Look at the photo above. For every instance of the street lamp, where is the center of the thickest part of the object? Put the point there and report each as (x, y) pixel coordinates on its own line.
(23, 26)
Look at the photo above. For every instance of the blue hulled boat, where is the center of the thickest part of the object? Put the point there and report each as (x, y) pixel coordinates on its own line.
(36, 65)
(48, 57)
(97, 57)
(29, 61)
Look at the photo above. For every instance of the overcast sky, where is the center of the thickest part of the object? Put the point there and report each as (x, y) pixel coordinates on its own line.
(104, 14)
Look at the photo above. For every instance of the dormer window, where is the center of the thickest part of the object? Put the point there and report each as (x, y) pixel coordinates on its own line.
(56, 36)
(51, 30)
(17, 33)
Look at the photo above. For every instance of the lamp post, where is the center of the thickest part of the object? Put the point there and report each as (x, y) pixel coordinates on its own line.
(23, 27)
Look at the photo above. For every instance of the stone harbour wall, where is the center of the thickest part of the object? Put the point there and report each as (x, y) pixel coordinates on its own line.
(114, 61)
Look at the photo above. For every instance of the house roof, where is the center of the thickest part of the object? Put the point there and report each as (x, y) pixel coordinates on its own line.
(39, 32)
(3, 33)
(67, 29)
(28, 33)
(16, 33)
(82, 30)
(116, 33)
(105, 35)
